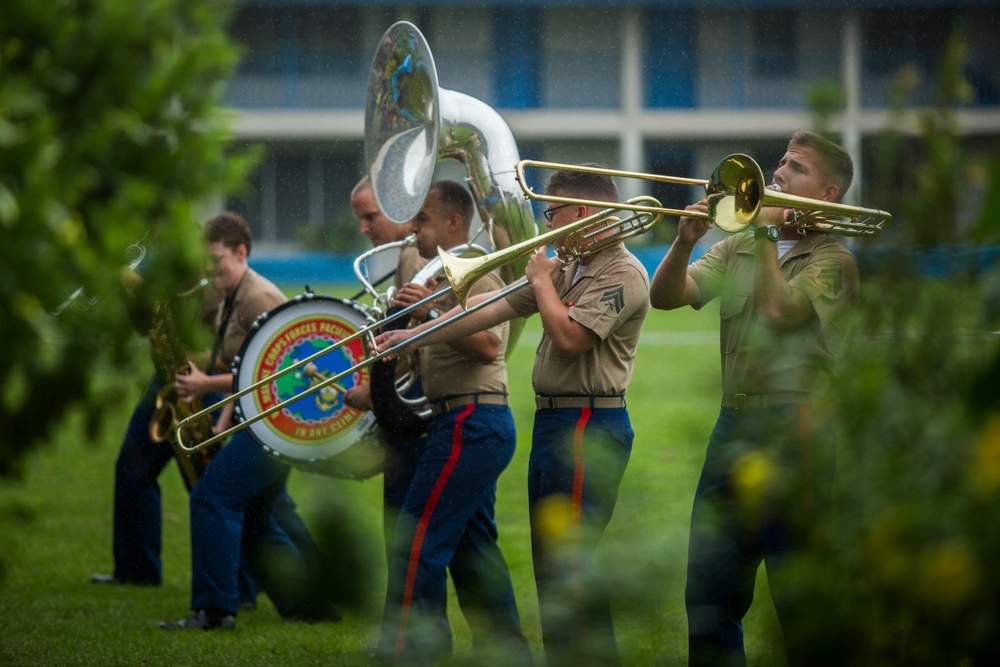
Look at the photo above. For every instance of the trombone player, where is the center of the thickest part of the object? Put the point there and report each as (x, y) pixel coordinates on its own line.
(782, 292)
(591, 313)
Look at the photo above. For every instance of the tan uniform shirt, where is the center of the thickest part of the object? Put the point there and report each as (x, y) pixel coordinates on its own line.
(611, 299)
(761, 360)
(444, 371)
(254, 296)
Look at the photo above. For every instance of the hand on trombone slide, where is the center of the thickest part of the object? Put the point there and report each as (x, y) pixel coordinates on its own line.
(690, 229)
(393, 340)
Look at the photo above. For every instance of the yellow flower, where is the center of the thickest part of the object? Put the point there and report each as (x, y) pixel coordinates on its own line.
(555, 519)
(948, 574)
(985, 461)
(755, 477)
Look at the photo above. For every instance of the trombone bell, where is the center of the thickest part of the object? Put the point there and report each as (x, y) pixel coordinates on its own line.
(463, 272)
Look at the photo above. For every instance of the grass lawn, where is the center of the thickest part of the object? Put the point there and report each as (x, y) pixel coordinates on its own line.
(56, 524)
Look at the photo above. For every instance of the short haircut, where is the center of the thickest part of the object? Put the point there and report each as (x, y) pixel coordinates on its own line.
(583, 185)
(229, 229)
(363, 184)
(834, 160)
(455, 199)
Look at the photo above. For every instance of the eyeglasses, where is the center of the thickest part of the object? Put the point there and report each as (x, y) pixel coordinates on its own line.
(549, 211)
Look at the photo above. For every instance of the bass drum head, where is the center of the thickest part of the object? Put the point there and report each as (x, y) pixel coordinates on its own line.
(317, 433)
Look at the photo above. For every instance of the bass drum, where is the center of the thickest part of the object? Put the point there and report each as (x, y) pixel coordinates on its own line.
(318, 433)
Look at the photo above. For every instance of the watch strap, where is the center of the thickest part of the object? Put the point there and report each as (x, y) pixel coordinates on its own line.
(771, 233)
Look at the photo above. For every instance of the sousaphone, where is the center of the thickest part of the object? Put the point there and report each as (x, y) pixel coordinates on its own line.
(411, 123)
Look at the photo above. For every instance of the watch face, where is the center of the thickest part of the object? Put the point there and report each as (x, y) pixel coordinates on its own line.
(771, 233)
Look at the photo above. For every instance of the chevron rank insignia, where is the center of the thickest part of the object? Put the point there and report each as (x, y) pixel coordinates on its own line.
(615, 298)
(831, 278)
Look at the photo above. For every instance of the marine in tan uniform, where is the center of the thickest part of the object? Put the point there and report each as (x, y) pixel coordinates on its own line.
(401, 451)
(781, 293)
(591, 316)
(447, 519)
(240, 507)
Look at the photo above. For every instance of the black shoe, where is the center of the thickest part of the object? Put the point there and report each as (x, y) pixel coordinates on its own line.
(201, 621)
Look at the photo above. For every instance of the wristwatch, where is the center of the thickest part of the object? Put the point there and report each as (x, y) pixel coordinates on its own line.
(771, 233)
(432, 314)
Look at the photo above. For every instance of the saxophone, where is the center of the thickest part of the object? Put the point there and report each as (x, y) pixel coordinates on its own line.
(170, 359)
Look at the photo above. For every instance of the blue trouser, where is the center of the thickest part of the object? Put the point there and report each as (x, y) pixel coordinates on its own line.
(767, 477)
(240, 508)
(447, 520)
(138, 530)
(401, 458)
(578, 458)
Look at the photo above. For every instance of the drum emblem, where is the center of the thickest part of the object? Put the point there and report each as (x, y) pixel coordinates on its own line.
(322, 415)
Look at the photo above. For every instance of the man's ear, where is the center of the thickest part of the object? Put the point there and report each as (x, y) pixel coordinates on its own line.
(241, 252)
(831, 192)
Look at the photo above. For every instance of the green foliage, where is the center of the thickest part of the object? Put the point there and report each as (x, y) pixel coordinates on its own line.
(109, 133)
(825, 98)
(925, 181)
(903, 572)
(331, 237)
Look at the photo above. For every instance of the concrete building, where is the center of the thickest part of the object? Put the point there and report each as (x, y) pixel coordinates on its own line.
(668, 86)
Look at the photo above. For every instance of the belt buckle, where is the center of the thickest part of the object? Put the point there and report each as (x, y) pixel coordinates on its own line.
(740, 401)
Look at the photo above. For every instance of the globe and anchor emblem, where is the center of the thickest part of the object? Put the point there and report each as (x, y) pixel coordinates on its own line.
(328, 402)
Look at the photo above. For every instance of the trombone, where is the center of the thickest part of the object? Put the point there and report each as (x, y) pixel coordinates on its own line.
(586, 236)
(736, 193)
(583, 237)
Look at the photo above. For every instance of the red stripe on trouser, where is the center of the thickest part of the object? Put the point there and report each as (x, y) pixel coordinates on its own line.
(804, 453)
(579, 467)
(578, 462)
(425, 518)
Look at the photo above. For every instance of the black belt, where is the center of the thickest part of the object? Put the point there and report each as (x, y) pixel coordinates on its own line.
(745, 401)
(559, 402)
(443, 405)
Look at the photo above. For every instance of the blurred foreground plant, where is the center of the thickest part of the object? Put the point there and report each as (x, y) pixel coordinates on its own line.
(109, 134)
(904, 571)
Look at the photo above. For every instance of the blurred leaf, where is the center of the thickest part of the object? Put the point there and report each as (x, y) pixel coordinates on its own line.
(110, 132)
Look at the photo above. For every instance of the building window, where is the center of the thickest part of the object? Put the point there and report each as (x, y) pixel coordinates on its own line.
(895, 37)
(774, 38)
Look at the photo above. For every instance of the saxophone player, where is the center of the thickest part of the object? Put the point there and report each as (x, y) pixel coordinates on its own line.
(240, 508)
(137, 516)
